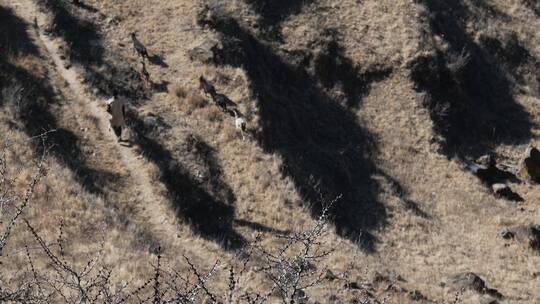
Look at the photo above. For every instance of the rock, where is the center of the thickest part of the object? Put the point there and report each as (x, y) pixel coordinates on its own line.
(529, 166)
(468, 280)
(203, 52)
(505, 233)
(471, 281)
(155, 123)
(503, 191)
(416, 295)
(526, 234)
(300, 297)
(485, 168)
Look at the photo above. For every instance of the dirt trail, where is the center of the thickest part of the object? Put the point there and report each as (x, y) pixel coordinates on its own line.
(154, 210)
(129, 159)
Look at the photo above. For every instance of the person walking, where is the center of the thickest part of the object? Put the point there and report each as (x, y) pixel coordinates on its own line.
(116, 106)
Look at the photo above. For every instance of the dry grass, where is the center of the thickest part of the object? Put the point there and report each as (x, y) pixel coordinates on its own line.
(460, 233)
(179, 91)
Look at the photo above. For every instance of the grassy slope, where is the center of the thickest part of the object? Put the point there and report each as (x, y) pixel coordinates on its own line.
(459, 231)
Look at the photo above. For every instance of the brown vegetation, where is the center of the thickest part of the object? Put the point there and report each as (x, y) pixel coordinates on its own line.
(390, 105)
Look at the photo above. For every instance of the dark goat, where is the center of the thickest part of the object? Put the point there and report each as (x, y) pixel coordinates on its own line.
(139, 47)
(206, 86)
(224, 103)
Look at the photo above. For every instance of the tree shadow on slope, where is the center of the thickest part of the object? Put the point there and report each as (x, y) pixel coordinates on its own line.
(31, 97)
(85, 6)
(470, 99)
(273, 12)
(103, 70)
(334, 69)
(32, 105)
(207, 205)
(521, 65)
(324, 150)
(14, 40)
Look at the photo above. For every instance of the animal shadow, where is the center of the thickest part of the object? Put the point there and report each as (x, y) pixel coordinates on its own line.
(161, 87)
(158, 60)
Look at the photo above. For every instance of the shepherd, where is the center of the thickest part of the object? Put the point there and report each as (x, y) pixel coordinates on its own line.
(117, 108)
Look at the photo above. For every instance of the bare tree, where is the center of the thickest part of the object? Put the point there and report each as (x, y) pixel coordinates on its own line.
(289, 269)
(292, 267)
(8, 198)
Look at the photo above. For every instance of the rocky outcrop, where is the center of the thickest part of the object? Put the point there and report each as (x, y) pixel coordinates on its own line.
(203, 51)
(471, 281)
(529, 166)
(525, 234)
(504, 191)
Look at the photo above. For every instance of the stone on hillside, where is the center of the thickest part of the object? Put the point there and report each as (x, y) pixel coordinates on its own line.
(416, 295)
(529, 166)
(526, 234)
(503, 191)
(506, 234)
(203, 52)
(155, 123)
(471, 281)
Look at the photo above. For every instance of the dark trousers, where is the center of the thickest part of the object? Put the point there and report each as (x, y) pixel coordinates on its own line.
(118, 131)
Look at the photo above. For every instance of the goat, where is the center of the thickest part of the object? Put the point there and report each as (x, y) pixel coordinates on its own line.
(206, 87)
(239, 121)
(140, 49)
(224, 102)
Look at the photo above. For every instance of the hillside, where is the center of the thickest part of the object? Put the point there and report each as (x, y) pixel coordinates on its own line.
(357, 180)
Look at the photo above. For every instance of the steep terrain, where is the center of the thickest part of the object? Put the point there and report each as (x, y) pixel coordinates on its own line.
(384, 104)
